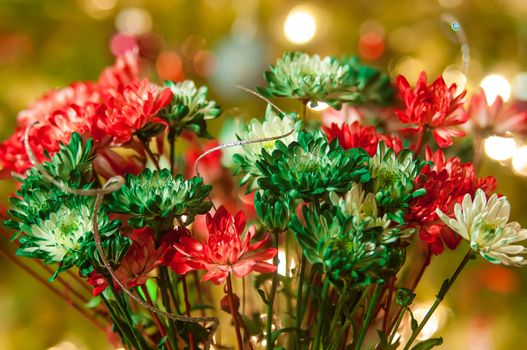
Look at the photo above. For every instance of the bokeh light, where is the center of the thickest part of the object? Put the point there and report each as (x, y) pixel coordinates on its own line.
(134, 21)
(205, 63)
(452, 75)
(519, 161)
(496, 85)
(121, 43)
(519, 86)
(319, 107)
(169, 66)
(300, 25)
(500, 148)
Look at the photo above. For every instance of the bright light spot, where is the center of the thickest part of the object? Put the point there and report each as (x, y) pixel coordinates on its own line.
(431, 326)
(321, 106)
(65, 345)
(519, 161)
(121, 43)
(496, 85)
(169, 66)
(282, 264)
(300, 26)
(450, 3)
(519, 86)
(205, 63)
(133, 21)
(454, 76)
(104, 5)
(500, 148)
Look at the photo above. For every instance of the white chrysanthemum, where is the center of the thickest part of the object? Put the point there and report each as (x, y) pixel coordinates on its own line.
(272, 126)
(195, 99)
(62, 233)
(484, 223)
(310, 74)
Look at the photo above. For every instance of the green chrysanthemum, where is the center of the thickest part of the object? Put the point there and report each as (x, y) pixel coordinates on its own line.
(190, 108)
(273, 210)
(311, 166)
(346, 253)
(392, 180)
(310, 78)
(272, 126)
(66, 235)
(362, 209)
(154, 195)
(365, 84)
(37, 197)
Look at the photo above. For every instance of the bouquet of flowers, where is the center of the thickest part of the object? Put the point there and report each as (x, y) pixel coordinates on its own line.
(345, 213)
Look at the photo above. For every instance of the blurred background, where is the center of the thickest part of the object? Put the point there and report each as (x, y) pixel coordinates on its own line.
(223, 43)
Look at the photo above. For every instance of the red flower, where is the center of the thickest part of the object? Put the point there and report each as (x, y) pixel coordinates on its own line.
(123, 72)
(141, 259)
(129, 108)
(434, 106)
(446, 183)
(366, 137)
(224, 250)
(76, 95)
(495, 119)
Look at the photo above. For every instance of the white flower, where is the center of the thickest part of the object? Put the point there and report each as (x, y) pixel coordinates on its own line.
(484, 223)
(272, 126)
(194, 99)
(61, 234)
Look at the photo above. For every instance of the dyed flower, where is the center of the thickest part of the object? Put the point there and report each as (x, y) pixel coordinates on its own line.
(127, 109)
(434, 107)
(310, 78)
(154, 195)
(64, 236)
(484, 223)
(224, 250)
(311, 166)
(346, 253)
(365, 137)
(189, 108)
(272, 126)
(392, 179)
(446, 183)
(273, 210)
(496, 119)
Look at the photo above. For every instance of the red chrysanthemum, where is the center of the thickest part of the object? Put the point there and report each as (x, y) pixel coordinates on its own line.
(141, 259)
(129, 108)
(355, 135)
(224, 250)
(496, 119)
(436, 107)
(122, 73)
(446, 183)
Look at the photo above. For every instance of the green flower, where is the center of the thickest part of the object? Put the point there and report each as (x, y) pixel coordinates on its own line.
(346, 253)
(311, 167)
(190, 108)
(365, 84)
(37, 196)
(66, 236)
(310, 78)
(392, 180)
(154, 195)
(362, 209)
(273, 210)
(272, 126)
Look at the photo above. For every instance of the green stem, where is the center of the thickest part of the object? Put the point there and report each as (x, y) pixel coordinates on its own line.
(270, 302)
(155, 317)
(165, 285)
(126, 330)
(187, 308)
(234, 315)
(299, 304)
(439, 298)
(340, 303)
(320, 316)
(369, 313)
(172, 142)
(396, 327)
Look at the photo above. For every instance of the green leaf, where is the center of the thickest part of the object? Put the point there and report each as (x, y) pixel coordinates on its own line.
(151, 286)
(428, 344)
